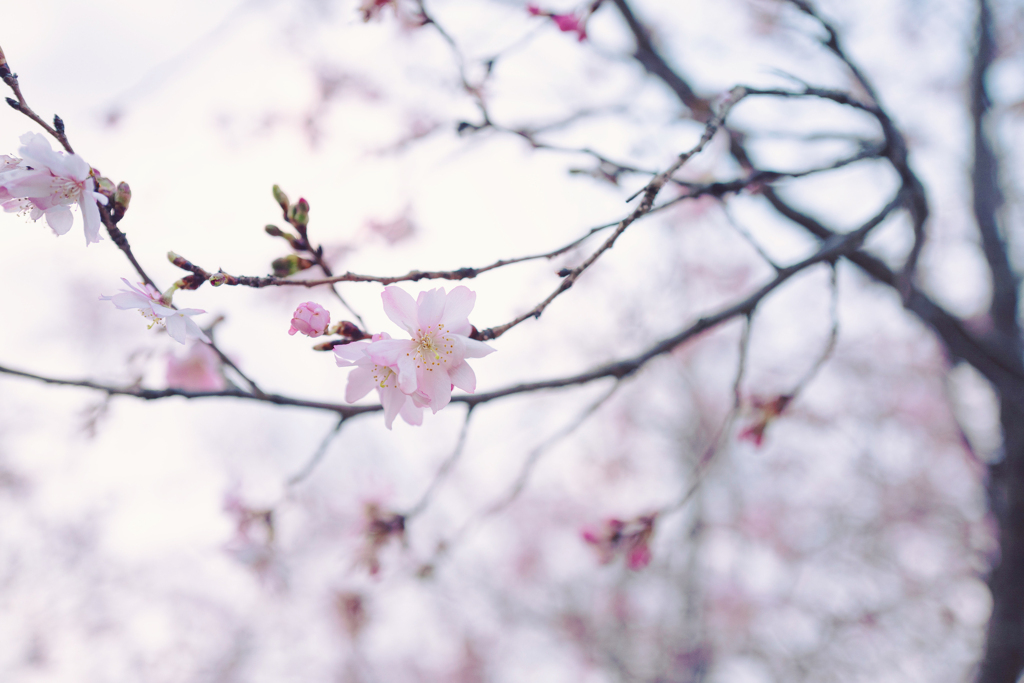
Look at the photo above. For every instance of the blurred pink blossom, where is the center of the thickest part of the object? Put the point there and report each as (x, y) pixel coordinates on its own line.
(198, 370)
(616, 537)
(381, 527)
(565, 22)
(767, 411)
(311, 319)
(393, 231)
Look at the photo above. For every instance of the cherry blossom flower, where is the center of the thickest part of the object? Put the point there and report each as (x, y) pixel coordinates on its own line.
(433, 362)
(198, 370)
(150, 303)
(370, 375)
(616, 537)
(47, 183)
(311, 319)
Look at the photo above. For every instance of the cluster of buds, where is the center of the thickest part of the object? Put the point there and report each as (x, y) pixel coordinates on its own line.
(297, 216)
(616, 537)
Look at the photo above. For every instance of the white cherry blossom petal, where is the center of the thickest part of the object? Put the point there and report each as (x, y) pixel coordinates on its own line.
(400, 308)
(463, 377)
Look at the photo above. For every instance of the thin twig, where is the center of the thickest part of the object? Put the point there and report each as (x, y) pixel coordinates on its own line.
(833, 337)
(317, 456)
(836, 247)
(525, 472)
(21, 105)
(444, 470)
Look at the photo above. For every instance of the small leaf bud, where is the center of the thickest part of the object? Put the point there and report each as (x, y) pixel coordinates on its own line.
(58, 124)
(105, 186)
(14, 104)
(280, 197)
(289, 265)
(298, 215)
(123, 196)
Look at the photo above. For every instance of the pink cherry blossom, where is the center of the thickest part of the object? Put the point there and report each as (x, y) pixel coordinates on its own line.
(47, 183)
(150, 303)
(433, 362)
(311, 319)
(369, 375)
(565, 22)
(767, 411)
(198, 370)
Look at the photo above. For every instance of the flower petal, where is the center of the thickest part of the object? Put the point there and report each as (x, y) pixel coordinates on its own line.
(392, 400)
(400, 308)
(193, 331)
(360, 381)
(350, 354)
(407, 376)
(90, 218)
(458, 306)
(388, 351)
(176, 328)
(59, 219)
(463, 377)
(429, 308)
(476, 349)
(411, 413)
(436, 386)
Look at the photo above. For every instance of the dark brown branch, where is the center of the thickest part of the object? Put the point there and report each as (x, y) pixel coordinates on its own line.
(21, 105)
(656, 65)
(833, 249)
(156, 394)
(1003, 659)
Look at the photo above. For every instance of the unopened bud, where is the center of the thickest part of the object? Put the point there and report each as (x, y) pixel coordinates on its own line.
(280, 197)
(350, 330)
(221, 278)
(275, 231)
(105, 186)
(58, 124)
(123, 196)
(14, 104)
(289, 265)
(298, 215)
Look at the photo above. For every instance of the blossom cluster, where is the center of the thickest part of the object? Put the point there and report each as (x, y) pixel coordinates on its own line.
(47, 183)
(412, 374)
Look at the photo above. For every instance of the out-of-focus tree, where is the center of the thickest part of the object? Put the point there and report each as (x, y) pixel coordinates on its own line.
(757, 410)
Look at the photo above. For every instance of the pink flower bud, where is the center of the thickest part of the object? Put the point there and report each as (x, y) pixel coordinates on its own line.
(311, 319)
